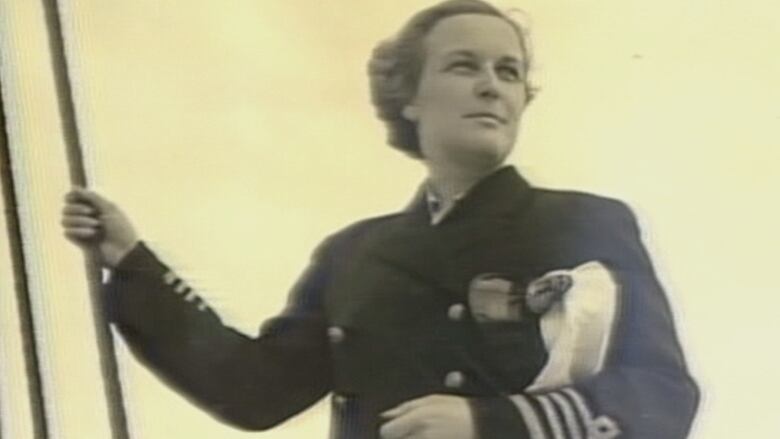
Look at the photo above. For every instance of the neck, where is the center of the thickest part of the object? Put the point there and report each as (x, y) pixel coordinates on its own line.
(449, 182)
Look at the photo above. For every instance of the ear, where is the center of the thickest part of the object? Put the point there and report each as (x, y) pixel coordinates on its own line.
(411, 113)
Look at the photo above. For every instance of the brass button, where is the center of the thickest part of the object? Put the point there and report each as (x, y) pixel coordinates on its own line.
(181, 288)
(336, 334)
(170, 278)
(454, 379)
(456, 312)
(339, 400)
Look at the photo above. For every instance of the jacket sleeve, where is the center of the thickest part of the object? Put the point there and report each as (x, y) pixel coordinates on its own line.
(644, 390)
(251, 383)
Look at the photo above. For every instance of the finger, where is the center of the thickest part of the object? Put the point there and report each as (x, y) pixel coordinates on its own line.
(92, 198)
(76, 193)
(404, 407)
(80, 233)
(75, 221)
(400, 427)
(78, 209)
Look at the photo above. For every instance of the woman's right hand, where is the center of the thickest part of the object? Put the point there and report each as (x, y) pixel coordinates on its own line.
(96, 224)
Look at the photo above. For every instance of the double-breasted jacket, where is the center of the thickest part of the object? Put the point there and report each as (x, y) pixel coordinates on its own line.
(382, 315)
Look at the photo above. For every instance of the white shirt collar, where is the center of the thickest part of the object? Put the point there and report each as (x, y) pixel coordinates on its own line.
(433, 200)
(435, 208)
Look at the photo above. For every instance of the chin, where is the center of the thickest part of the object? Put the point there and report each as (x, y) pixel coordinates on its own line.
(485, 154)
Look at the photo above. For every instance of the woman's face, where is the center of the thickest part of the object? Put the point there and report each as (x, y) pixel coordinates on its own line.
(471, 92)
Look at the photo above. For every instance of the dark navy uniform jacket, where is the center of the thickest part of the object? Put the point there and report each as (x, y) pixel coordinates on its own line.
(382, 316)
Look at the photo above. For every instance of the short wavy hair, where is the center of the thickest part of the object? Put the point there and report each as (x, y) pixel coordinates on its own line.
(396, 64)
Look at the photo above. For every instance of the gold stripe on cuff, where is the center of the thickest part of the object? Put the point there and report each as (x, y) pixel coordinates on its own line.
(552, 416)
(528, 412)
(568, 415)
(579, 402)
(602, 427)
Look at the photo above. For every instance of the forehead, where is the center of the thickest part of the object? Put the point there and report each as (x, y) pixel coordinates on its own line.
(482, 34)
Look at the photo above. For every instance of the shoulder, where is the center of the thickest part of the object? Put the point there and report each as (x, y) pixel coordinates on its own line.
(346, 237)
(600, 226)
(579, 206)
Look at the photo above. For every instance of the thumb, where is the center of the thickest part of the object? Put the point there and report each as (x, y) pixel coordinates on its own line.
(95, 200)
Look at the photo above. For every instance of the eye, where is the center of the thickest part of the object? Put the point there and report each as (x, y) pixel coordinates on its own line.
(462, 66)
(509, 73)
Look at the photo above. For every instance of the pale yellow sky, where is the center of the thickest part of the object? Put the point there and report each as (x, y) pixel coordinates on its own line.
(238, 134)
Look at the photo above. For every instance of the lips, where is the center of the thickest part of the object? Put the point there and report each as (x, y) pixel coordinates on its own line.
(486, 115)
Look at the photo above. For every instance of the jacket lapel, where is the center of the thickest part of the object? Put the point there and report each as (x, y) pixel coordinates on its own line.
(415, 248)
(434, 254)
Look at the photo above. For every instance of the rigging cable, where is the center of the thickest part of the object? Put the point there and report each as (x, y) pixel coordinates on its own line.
(21, 284)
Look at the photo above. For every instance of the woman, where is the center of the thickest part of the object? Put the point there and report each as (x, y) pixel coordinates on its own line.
(487, 309)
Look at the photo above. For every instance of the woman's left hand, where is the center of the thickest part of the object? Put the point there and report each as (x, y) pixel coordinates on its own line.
(430, 417)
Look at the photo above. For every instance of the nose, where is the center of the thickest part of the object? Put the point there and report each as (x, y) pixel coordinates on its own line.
(486, 86)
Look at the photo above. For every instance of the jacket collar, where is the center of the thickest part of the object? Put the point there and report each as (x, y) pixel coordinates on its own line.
(499, 194)
(427, 253)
